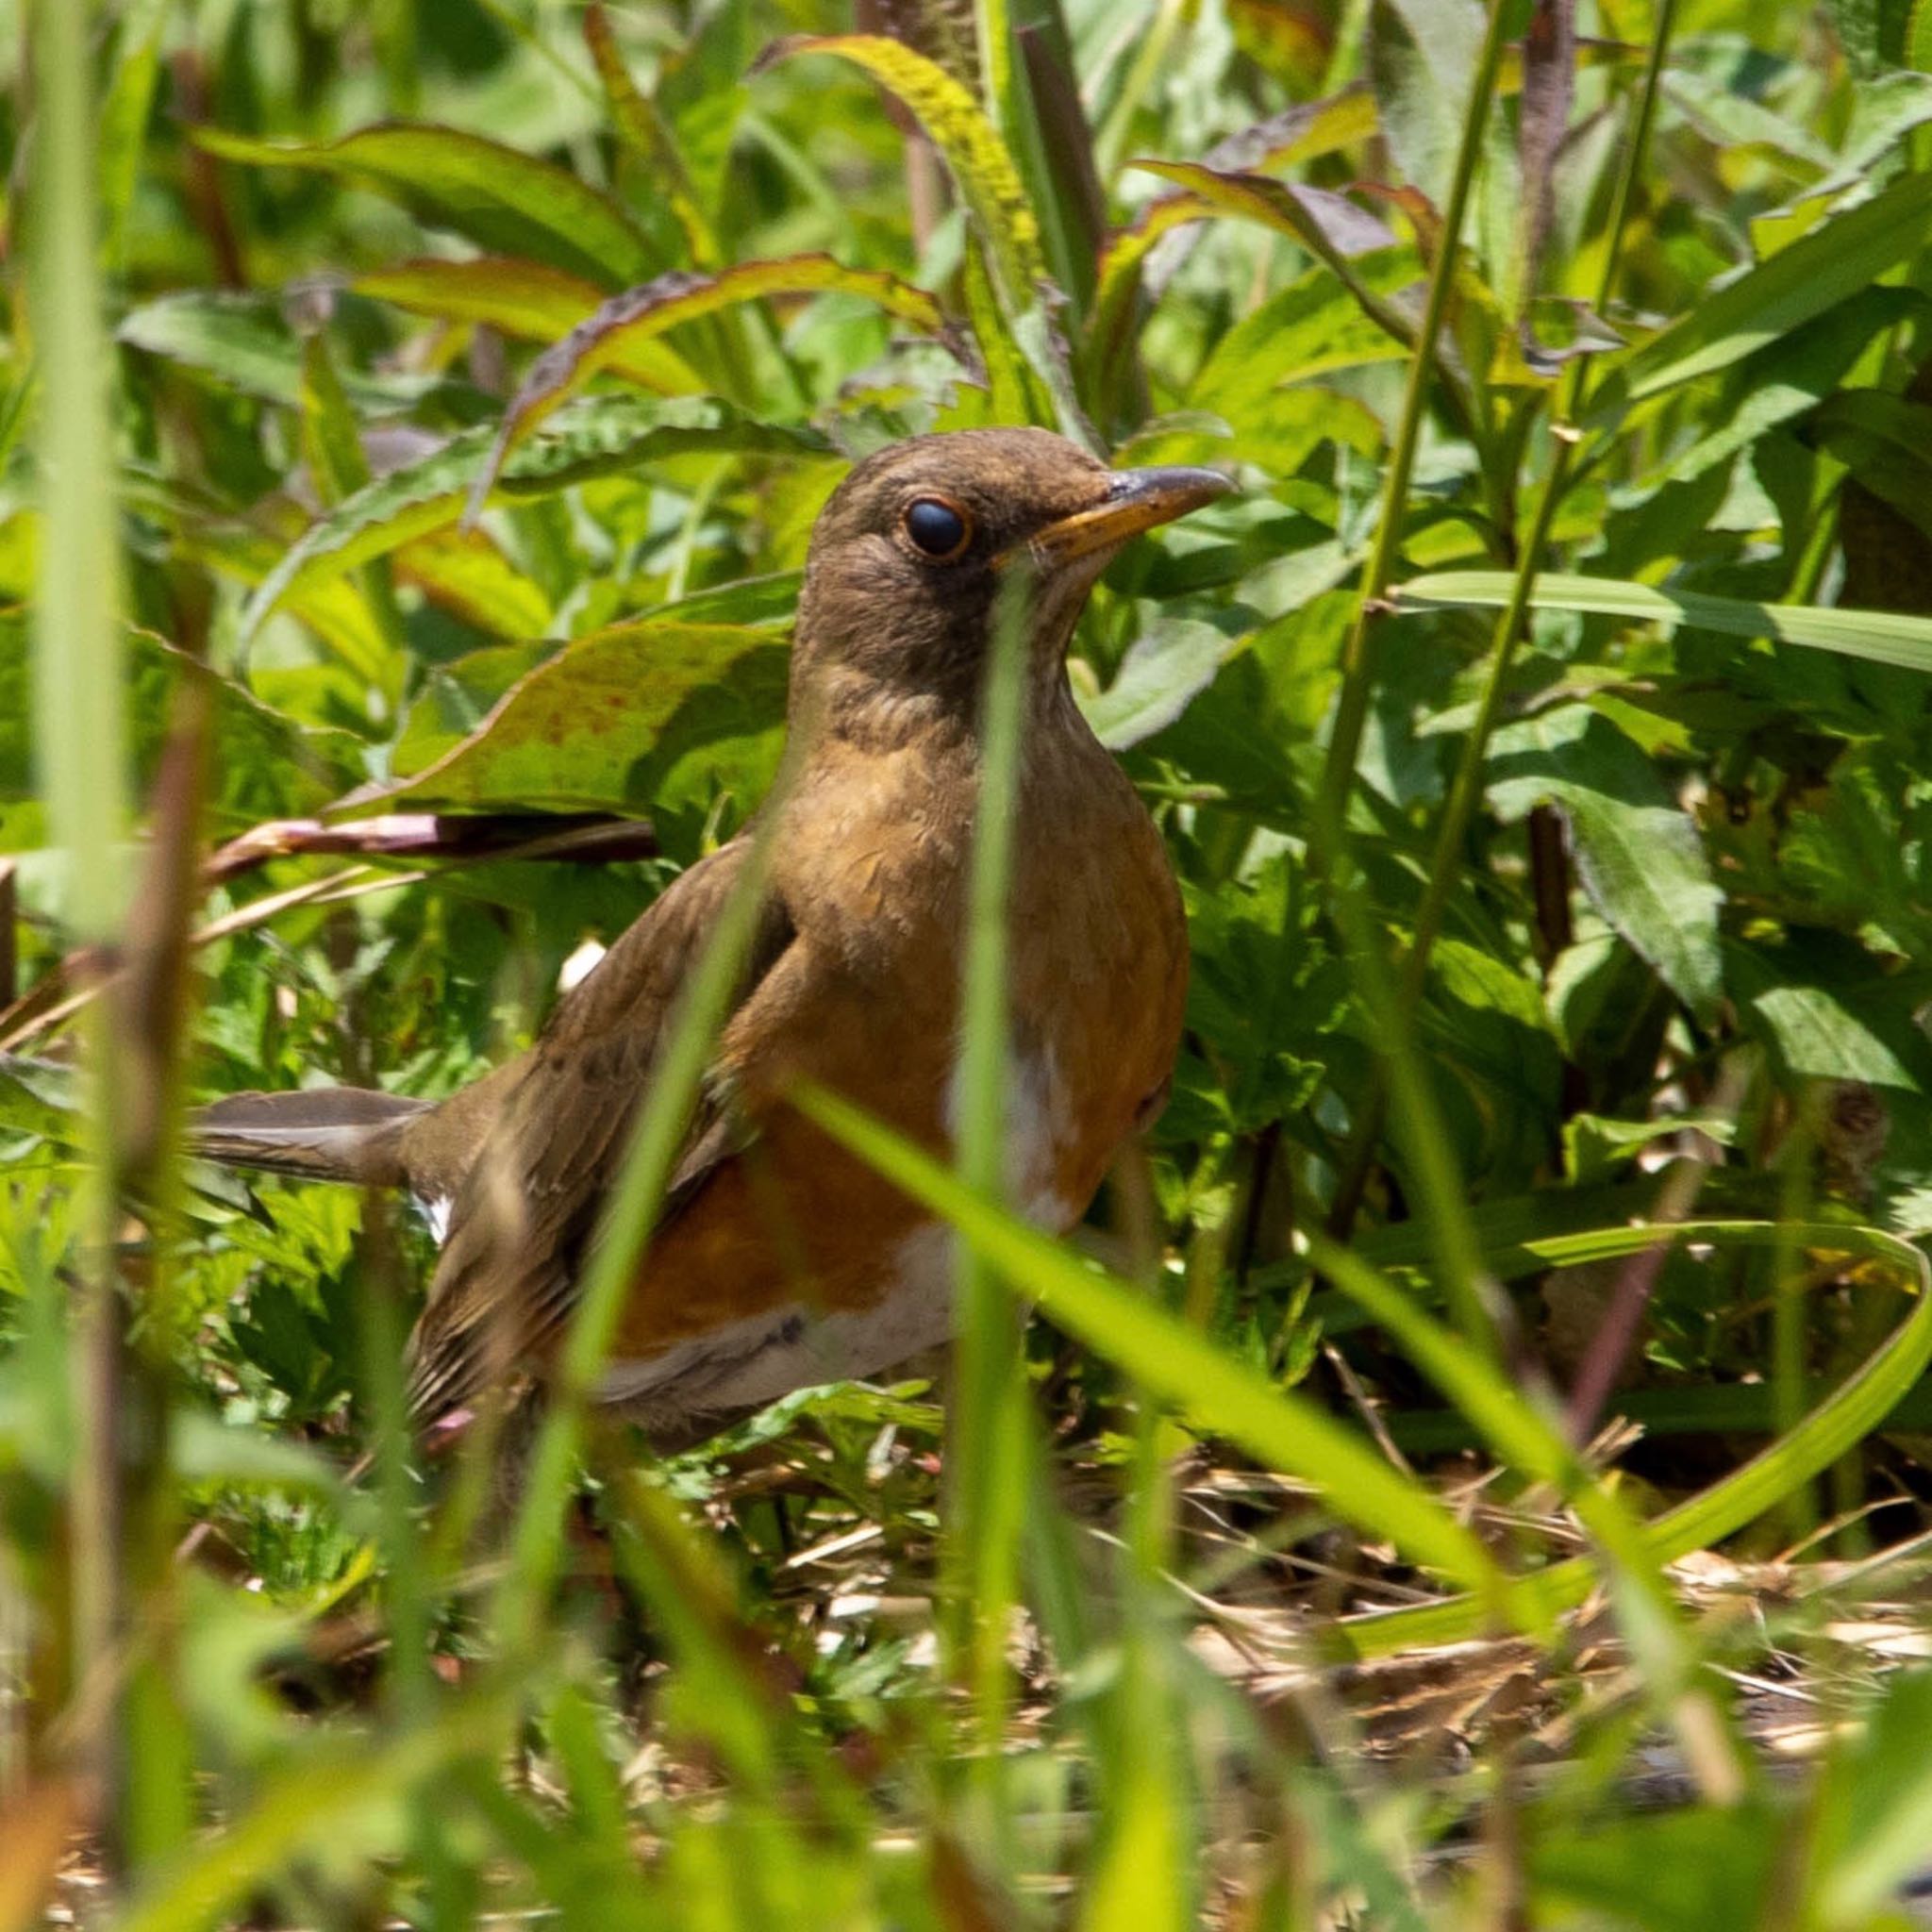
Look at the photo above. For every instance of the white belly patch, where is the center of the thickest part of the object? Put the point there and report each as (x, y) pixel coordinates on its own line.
(757, 1360)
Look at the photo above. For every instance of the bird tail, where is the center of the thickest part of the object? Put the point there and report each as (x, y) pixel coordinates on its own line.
(319, 1132)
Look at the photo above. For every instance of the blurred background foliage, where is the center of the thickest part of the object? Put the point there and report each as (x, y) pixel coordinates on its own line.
(1523, 921)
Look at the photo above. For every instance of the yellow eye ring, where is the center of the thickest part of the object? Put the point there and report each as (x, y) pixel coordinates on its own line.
(937, 528)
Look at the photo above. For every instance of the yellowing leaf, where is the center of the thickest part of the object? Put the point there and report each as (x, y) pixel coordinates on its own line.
(528, 300)
(626, 322)
(981, 167)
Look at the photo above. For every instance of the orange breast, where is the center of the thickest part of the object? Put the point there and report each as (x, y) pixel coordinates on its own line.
(1097, 972)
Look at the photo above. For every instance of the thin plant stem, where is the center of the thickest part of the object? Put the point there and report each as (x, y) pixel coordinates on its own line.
(987, 1452)
(1351, 712)
(79, 734)
(1465, 790)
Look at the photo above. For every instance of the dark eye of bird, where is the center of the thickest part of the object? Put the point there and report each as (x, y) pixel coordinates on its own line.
(937, 528)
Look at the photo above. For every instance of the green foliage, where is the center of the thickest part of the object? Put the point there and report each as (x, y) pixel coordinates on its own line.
(1539, 734)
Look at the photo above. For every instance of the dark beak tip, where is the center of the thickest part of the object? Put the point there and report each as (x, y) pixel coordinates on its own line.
(1184, 486)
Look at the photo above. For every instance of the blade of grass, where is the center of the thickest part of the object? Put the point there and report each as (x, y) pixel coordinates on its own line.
(1180, 1365)
(1465, 790)
(299, 1807)
(987, 1454)
(537, 1537)
(80, 736)
(1516, 1427)
(1856, 1407)
(1881, 636)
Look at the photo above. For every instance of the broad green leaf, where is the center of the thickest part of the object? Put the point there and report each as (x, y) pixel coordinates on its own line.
(506, 201)
(525, 299)
(1638, 851)
(1165, 666)
(465, 574)
(456, 698)
(1311, 327)
(1421, 61)
(1831, 263)
(38, 1097)
(1821, 1025)
(575, 732)
(333, 608)
(1789, 378)
(1332, 239)
(1883, 637)
(635, 317)
(601, 437)
(245, 343)
(263, 765)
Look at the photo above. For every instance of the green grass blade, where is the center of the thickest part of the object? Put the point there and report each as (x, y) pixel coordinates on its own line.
(1845, 1416)
(1180, 1365)
(1883, 637)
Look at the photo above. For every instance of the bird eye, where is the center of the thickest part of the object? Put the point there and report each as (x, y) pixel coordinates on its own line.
(939, 529)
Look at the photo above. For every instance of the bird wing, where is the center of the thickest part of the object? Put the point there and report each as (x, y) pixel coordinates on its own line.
(523, 1216)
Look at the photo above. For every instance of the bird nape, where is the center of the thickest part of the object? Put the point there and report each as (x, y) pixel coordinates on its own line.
(778, 1259)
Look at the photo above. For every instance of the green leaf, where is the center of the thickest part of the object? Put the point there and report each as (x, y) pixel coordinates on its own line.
(975, 156)
(1314, 223)
(1875, 1809)
(506, 201)
(1313, 326)
(1638, 851)
(1825, 1025)
(38, 1097)
(1842, 255)
(245, 343)
(1881, 636)
(578, 731)
(1883, 440)
(124, 119)
(1845, 1416)
(1421, 61)
(601, 437)
(525, 299)
(1166, 665)
(630, 320)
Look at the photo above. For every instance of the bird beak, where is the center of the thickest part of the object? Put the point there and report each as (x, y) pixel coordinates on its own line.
(1136, 500)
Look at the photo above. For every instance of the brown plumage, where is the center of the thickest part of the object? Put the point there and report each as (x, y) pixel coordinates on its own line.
(778, 1259)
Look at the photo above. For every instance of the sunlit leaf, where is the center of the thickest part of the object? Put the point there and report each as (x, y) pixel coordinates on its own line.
(600, 438)
(525, 299)
(1638, 851)
(578, 731)
(503, 201)
(980, 166)
(638, 315)
(1834, 261)
(1882, 637)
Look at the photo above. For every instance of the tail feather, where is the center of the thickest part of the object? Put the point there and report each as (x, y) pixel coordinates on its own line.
(319, 1133)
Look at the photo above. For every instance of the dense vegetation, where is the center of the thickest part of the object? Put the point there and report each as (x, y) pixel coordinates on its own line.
(1473, 1470)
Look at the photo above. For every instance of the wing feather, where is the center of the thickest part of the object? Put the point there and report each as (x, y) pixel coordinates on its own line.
(523, 1215)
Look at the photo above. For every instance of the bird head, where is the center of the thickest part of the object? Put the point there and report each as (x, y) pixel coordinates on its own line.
(910, 556)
